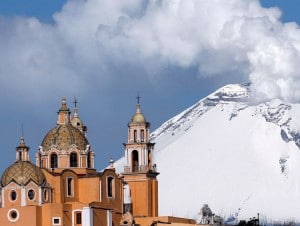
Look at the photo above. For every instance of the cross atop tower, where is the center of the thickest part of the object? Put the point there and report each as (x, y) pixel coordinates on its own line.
(138, 98)
(75, 102)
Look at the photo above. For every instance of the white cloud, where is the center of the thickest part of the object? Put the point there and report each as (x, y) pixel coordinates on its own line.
(90, 40)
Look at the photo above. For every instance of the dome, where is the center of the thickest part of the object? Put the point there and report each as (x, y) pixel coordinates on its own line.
(76, 122)
(139, 118)
(22, 173)
(63, 136)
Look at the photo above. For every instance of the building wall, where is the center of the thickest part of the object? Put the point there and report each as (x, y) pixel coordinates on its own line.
(144, 195)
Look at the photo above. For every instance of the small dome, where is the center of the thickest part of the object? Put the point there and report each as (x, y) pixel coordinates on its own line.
(22, 173)
(63, 136)
(139, 118)
(76, 122)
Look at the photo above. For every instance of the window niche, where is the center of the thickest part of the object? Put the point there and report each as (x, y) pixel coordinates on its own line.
(135, 161)
(70, 186)
(45, 195)
(110, 187)
(13, 195)
(54, 161)
(135, 136)
(78, 218)
(73, 160)
(31, 194)
(142, 136)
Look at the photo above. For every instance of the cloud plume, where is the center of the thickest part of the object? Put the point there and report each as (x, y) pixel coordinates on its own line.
(95, 40)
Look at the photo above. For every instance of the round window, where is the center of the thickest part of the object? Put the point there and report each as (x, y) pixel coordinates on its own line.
(31, 194)
(13, 195)
(13, 215)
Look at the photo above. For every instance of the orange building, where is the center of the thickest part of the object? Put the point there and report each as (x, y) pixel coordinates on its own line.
(63, 188)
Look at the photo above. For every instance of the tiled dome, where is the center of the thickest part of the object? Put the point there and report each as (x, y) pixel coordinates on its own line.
(22, 173)
(63, 136)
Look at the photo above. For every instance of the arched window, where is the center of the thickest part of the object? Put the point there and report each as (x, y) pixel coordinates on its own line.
(53, 160)
(142, 135)
(135, 135)
(110, 187)
(73, 160)
(135, 161)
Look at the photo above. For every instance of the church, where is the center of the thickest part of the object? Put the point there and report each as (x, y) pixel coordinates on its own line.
(63, 187)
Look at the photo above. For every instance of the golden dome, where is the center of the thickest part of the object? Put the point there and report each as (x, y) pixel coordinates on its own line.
(63, 136)
(22, 173)
(138, 118)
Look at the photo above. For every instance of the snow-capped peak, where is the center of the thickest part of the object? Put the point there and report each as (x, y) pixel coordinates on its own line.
(240, 158)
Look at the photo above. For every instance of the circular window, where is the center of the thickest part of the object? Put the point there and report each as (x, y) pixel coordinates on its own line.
(31, 194)
(13, 195)
(13, 215)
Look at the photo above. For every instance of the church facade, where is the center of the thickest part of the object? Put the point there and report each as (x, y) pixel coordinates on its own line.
(63, 187)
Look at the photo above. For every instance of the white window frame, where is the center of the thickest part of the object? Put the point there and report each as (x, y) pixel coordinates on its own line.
(56, 218)
(8, 215)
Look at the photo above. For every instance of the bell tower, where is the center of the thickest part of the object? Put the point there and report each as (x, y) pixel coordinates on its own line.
(139, 170)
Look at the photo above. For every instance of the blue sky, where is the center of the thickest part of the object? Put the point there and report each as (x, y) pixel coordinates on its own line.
(104, 52)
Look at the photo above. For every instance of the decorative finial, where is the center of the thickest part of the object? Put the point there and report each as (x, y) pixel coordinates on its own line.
(64, 104)
(22, 141)
(111, 163)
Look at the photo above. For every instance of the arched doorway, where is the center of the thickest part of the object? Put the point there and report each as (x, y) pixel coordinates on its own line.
(135, 160)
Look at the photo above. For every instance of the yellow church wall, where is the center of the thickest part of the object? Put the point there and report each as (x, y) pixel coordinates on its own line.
(88, 189)
(154, 197)
(74, 187)
(55, 182)
(28, 216)
(140, 199)
(63, 161)
(7, 196)
(116, 200)
(100, 217)
(144, 194)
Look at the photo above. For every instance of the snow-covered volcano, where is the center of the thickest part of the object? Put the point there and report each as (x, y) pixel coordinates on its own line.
(238, 157)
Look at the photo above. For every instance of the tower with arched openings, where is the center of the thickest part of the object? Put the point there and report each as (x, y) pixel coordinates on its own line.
(139, 170)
